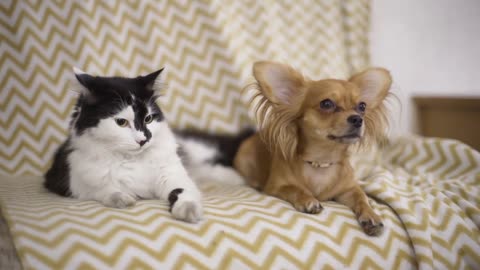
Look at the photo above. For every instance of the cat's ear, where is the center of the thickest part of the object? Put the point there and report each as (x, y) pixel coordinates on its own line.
(82, 77)
(83, 84)
(153, 81)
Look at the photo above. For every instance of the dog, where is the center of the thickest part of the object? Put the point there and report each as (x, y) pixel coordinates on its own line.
(307, 129)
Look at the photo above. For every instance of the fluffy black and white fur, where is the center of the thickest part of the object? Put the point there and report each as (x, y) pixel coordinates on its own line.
(121, 149)
(209, 156)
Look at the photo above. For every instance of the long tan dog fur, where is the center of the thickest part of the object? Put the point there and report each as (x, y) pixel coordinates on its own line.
(306, 129)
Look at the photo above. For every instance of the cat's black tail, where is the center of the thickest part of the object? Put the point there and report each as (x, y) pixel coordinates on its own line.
(226, 144)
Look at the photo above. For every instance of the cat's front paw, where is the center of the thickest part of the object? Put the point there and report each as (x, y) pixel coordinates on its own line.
(119, 200)
(185, 206)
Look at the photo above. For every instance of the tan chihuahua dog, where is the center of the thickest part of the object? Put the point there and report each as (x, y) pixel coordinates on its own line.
(306, 129)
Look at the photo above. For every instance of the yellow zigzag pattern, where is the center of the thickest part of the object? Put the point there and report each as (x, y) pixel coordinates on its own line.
(244, 227)
(431, 222)
(207, 48)
(441, 211)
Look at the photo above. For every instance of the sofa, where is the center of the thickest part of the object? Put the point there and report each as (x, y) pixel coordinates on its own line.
(427, 190)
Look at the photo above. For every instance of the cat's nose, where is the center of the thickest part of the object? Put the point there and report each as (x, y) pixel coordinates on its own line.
(141, 142)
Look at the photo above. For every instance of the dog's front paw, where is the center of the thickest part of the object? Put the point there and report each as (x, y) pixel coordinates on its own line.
(119, 200)
(371, 224)
(185, 206)
(308, 205)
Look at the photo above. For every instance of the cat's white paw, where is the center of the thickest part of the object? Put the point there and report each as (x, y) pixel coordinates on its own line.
(187, 208)
(119, 200)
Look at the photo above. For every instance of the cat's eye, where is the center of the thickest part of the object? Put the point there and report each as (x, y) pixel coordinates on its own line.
(362, 106)
(121, 122)
(148, 119)
(327, 105)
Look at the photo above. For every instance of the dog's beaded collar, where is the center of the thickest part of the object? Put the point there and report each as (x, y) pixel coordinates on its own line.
(316, 165)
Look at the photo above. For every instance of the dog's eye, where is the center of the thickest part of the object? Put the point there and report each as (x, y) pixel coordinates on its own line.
(121, 122)
(327, 104)
(362, 106)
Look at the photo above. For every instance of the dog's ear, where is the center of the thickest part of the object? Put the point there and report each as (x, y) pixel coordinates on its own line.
(281, 96)
(280, 83)
(374, 84)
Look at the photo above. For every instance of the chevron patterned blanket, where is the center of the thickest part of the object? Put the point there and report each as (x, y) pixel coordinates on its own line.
(426, 190)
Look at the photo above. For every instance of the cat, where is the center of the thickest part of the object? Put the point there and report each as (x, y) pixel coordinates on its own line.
(208, 156)
(120, 149)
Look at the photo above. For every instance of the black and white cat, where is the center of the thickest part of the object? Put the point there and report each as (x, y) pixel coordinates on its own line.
(120, 149)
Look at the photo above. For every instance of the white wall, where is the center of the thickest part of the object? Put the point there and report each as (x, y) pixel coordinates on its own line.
(432, 47)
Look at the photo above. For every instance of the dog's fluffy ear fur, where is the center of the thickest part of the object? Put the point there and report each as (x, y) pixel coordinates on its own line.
(374, 84)
(280, 83)
(280, 98)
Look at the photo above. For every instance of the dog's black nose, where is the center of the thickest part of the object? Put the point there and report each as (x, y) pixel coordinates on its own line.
(355, 120)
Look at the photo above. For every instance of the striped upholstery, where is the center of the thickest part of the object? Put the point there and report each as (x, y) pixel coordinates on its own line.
(207, 48)
(426, 191)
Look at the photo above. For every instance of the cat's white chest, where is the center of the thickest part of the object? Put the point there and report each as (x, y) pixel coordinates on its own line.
(136, 173)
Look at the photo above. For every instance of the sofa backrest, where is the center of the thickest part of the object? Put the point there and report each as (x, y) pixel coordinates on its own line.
(206, 47)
